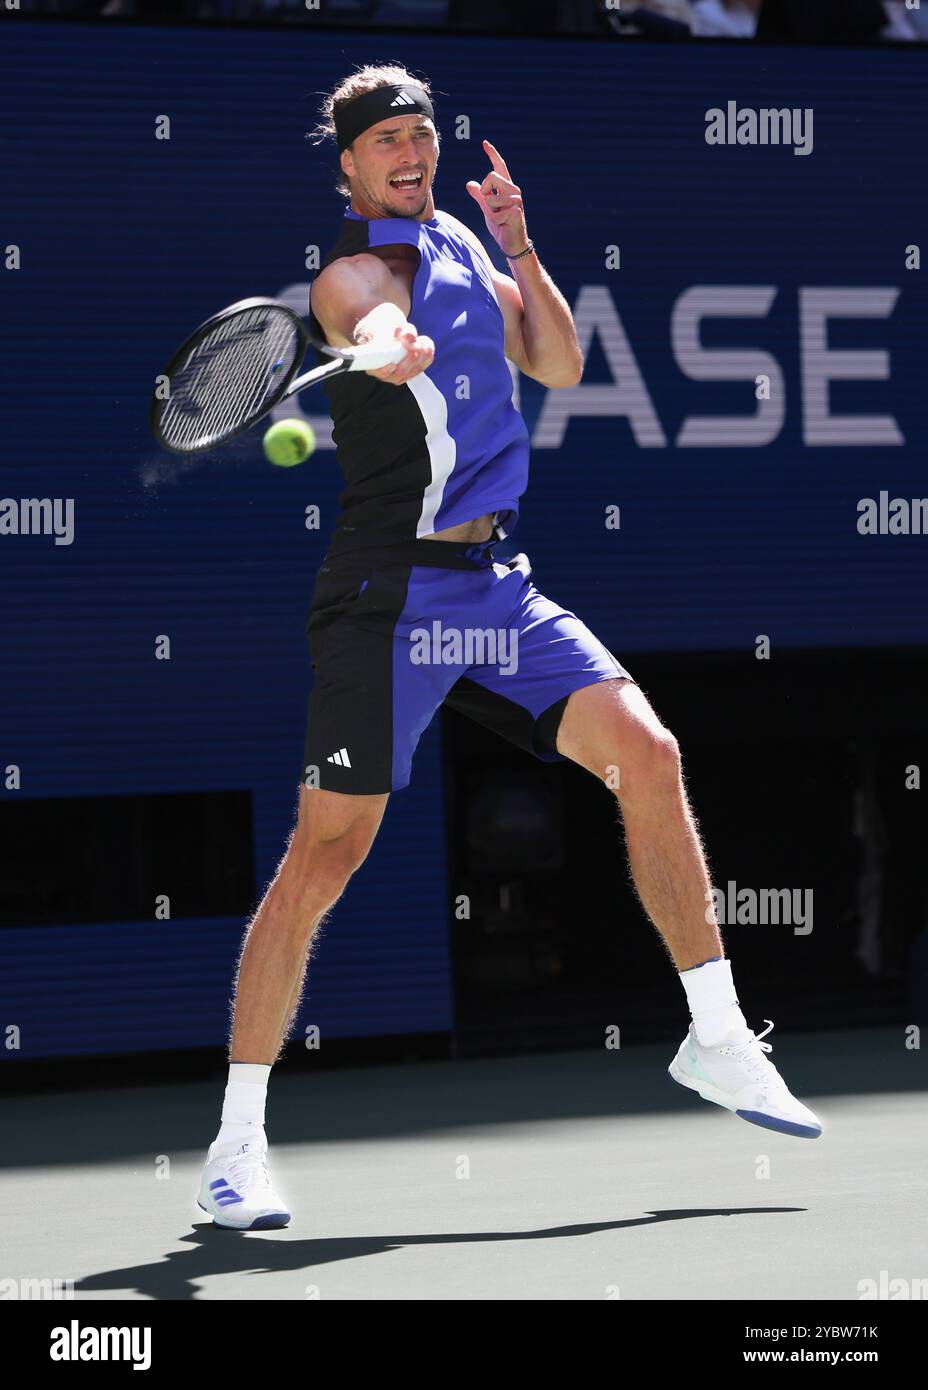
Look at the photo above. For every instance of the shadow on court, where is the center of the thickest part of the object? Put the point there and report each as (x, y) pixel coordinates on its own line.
(216, 1251)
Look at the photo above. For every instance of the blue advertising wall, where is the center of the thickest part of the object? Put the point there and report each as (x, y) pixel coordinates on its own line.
(692, 269)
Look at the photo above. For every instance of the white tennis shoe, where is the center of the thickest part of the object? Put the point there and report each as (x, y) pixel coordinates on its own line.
(737, 1075)
(236, 1189)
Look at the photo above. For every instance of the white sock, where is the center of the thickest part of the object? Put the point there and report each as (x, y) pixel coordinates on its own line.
(713, 1003)
(243, 1104)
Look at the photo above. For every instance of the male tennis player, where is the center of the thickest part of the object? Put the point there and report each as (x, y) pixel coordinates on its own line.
(436, 459)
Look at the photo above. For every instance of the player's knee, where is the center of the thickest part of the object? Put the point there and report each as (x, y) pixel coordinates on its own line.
(331, 841)
(315, 872)
(648, 759)
(331, 863)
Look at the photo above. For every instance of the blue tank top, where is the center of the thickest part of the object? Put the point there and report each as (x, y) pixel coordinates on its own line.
(450, 445)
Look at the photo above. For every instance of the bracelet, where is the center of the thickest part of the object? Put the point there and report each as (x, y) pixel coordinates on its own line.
(528, 250)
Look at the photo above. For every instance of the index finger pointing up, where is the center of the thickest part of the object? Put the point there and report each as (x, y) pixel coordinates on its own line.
(496, 159)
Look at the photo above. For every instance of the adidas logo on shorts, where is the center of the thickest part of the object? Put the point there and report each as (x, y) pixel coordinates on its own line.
(340, 758)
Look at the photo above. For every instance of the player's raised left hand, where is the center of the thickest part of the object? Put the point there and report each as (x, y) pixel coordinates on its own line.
(501, 201)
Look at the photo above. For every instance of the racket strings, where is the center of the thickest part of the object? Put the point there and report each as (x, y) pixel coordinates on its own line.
(227, 378)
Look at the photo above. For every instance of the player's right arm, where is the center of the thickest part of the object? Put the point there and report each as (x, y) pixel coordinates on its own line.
(357, 299)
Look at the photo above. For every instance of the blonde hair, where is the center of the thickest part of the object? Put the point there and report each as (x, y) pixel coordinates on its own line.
(363, 79)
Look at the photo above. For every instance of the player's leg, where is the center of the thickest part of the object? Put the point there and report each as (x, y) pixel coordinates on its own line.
(611, 730)
(561, 683)
(333, 835)
(566, 696)
(368, 707)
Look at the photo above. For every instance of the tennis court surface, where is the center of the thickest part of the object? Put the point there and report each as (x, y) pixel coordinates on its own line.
(581, 1175)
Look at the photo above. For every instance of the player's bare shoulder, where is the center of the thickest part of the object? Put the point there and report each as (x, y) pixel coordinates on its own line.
(346, 275)
(348, 288)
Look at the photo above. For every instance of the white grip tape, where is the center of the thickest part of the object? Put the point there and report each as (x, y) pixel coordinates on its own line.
(370, 356)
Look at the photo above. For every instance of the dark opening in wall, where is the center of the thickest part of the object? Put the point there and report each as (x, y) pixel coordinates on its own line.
(802, 772)
(108, 858)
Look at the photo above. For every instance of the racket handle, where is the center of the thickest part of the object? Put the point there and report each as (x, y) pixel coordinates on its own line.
(359, 359)
(369, 357)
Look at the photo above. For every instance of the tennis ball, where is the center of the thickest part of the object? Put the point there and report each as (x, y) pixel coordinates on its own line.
(288, 442)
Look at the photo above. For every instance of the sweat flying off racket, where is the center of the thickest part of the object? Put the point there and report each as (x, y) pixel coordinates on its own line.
(237, 366)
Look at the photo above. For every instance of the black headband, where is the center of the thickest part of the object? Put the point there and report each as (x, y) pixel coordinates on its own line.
(359, 114)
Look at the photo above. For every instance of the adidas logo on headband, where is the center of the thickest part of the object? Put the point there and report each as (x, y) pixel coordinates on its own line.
(361, 112)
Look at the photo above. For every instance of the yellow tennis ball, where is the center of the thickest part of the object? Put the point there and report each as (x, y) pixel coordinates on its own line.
(288, 442)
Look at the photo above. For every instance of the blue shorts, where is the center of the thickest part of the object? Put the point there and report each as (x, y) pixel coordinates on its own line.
(396, 632)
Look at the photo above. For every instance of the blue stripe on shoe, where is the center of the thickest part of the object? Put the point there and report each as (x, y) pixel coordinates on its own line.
(223, 1194)
(757, 1117)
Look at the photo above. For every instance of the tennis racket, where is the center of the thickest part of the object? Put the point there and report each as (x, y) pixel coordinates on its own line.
(238, 366)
